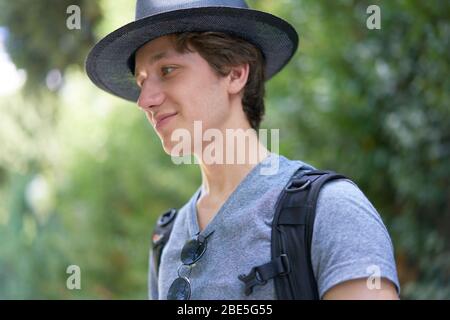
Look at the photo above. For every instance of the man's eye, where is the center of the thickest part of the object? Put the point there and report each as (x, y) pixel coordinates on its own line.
(166, 70)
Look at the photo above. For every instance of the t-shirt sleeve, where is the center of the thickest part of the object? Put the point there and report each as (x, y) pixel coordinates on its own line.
(152, 280)
(350, 240)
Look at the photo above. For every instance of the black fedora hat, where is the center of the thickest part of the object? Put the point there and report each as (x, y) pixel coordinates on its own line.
(109, 64)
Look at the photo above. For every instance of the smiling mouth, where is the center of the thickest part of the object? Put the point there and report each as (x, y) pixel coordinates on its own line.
(159, 124)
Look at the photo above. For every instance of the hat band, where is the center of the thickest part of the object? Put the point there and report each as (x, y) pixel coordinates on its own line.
(145, 8)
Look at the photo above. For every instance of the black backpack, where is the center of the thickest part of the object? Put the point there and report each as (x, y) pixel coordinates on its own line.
(292, 230)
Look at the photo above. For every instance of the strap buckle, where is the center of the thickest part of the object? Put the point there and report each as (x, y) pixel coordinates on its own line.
(259, 275)
(252, 279)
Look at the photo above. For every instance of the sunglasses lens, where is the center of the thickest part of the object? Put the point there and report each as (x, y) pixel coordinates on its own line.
(192, 251)
(179, 290)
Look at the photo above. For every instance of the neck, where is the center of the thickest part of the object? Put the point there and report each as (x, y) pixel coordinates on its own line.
(220, 179)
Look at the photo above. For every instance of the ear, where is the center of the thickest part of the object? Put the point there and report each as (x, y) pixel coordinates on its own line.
(238, 78)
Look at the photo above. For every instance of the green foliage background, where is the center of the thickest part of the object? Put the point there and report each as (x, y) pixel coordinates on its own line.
(83, 176)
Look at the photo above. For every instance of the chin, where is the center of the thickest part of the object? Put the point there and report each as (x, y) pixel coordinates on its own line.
(167, 146)
(177, 144)
(170, 150)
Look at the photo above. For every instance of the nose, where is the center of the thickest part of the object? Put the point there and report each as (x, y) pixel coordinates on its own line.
(151, 95)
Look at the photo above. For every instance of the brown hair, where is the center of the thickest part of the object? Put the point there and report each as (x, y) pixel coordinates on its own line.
(223, 51)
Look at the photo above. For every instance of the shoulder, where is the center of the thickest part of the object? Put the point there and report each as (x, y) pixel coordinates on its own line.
(343, 210)
(349, 237)
(343, 205)
(340, 190)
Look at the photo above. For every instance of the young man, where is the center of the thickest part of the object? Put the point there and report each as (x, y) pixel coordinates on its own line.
(205, 62)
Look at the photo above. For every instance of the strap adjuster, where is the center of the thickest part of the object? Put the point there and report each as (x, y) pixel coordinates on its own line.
(287, 264)
(297, 185)
(167, 217)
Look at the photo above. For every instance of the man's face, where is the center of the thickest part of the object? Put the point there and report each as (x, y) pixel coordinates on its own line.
(181, 85)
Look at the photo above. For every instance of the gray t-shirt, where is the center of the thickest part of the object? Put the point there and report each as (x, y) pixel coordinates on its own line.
(349, 241)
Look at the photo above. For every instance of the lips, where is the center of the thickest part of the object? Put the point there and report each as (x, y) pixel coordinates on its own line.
(162, 119)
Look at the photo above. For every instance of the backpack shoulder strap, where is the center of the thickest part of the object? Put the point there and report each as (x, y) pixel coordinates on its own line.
(161, 235)
(292, 231)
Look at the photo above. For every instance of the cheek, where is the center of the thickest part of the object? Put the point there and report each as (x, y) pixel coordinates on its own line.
(211, 105)
(203, 99)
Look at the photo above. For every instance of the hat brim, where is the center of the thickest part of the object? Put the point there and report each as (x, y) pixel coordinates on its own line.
(107, 63)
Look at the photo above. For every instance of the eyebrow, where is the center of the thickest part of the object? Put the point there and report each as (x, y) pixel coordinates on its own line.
(158, 56)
